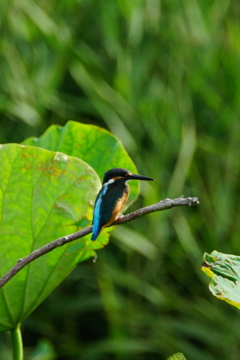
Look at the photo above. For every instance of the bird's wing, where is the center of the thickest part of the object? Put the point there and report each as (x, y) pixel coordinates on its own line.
(105, 204)
(110, 201)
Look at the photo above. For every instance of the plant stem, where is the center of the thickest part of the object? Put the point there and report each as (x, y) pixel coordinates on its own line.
(17, 343)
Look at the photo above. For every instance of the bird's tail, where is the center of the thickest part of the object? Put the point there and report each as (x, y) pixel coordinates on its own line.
(95, 232)
(94, 236)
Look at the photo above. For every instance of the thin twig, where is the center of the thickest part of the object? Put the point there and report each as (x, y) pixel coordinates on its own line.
(159, 206)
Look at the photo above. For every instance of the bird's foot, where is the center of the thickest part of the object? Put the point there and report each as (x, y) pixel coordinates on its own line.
(119, 218)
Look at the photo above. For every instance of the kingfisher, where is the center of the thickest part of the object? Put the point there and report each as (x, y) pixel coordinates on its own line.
(112, 197)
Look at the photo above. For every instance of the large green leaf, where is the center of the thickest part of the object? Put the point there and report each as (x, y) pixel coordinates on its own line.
(100, 149)
(224, 270)
(42, 195)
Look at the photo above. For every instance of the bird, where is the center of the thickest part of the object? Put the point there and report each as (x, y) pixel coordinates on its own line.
(112, 198)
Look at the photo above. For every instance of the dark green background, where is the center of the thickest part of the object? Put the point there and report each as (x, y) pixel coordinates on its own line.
(164, 77)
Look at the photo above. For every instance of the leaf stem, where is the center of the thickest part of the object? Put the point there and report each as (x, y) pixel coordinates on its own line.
(17, 343)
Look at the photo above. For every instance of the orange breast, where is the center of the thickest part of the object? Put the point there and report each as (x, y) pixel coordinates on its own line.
(119, 206)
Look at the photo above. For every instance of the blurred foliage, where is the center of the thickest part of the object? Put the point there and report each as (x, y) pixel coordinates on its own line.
(163, 76)
(43, 351)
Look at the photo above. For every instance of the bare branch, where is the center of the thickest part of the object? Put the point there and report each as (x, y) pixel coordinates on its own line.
(159, 206)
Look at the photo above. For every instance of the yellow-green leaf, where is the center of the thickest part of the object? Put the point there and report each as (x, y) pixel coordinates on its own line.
(224, 270)
(177, 356)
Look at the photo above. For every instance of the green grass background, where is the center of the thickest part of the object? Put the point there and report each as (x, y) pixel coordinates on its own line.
(164, 77)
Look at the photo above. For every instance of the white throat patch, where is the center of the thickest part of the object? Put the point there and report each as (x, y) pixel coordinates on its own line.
(109, 182)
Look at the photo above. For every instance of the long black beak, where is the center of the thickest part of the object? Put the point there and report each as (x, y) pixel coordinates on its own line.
(139, 177)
